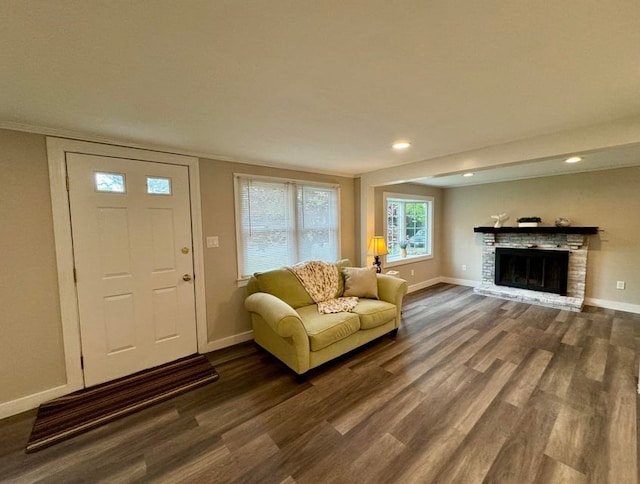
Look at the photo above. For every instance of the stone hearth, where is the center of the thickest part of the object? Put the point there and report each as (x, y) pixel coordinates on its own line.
(575, 243)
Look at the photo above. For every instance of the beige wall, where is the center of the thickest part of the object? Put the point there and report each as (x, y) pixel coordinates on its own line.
(424, 270)
(31, 349)
(226, 315)
(31, 352)
(607, 199)
(31, 355)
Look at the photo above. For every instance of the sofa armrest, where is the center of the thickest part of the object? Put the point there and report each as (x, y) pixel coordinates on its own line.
(281, 317)
(392, 290)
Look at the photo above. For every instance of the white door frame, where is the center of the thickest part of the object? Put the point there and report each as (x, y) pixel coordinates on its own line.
(57, 148)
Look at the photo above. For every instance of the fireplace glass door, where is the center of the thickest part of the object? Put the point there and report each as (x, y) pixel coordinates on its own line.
(534, 269)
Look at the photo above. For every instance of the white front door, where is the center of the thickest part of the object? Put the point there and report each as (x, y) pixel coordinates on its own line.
(131, 225)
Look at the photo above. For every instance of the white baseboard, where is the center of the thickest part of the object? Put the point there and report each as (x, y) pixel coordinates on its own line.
(228, 341)
(460, 282)
(14, 407)
(618, 306)
(423, 284)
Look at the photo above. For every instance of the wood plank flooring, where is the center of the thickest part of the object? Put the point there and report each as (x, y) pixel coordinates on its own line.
(473, 389)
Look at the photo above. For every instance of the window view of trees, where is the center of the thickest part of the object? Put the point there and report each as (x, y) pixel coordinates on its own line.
(408, 231)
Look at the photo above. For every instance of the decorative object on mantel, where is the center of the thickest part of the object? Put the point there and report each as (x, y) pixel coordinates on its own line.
(499, 219)
(529, 221)
(563, 222)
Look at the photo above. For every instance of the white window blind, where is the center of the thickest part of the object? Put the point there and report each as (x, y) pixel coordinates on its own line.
(282, 222)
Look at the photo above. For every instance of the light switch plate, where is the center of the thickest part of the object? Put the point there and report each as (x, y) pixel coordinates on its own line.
(213, 242)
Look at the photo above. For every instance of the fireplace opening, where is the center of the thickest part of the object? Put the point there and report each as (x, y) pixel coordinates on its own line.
(534, 269)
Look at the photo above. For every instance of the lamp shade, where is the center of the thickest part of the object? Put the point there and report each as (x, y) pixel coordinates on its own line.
(378, 246)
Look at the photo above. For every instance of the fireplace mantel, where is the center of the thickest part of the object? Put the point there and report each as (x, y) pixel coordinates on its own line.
(537, 230)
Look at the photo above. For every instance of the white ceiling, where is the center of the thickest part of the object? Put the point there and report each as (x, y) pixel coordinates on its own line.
(616, 157)
(323, 85)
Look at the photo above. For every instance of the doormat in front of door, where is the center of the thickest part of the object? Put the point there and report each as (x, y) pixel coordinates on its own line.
(78, 412)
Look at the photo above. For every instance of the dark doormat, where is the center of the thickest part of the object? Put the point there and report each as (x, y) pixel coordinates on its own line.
(86, 409)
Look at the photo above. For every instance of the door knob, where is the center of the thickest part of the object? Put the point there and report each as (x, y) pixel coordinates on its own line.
(186, 277)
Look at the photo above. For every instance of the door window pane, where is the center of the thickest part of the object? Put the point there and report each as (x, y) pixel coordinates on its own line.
(158, 186)
(110, 182)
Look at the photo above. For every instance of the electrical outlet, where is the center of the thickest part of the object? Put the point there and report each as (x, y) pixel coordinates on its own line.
(412, 272)
(620, 285)
(464, 267)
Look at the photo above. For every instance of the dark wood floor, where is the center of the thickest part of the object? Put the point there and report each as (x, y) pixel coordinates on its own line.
(473, 389)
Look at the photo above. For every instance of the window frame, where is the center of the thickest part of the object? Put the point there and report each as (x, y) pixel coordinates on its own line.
(405, 197)
(242, 280)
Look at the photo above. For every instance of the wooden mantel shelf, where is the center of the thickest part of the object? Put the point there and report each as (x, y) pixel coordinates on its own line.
(537, 230)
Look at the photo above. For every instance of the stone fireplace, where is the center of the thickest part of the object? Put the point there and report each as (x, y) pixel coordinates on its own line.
(529, 264)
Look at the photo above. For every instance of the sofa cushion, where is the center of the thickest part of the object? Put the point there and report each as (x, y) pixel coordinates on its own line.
(374, 313)
(360, 282)
(283, 284)
(326, 329)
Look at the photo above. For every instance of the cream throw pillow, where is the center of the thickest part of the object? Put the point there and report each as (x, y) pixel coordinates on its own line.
(360, 282)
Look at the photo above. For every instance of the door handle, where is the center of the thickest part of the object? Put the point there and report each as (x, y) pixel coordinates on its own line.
(186, 278)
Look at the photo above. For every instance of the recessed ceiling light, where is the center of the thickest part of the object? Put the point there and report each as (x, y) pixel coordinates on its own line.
(468, 174)
(401, 145)
(573, 159)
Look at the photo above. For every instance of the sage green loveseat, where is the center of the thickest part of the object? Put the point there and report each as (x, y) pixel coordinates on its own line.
(287, 324)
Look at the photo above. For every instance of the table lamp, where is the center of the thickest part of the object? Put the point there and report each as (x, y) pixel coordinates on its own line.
(377, 247)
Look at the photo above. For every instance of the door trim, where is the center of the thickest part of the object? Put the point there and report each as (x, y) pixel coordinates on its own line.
(57, 148)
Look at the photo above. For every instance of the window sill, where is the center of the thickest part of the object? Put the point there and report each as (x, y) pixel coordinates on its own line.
(401, 261)
(242, 282)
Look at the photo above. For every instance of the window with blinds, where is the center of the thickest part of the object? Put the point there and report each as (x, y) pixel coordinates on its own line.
(282, 222)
